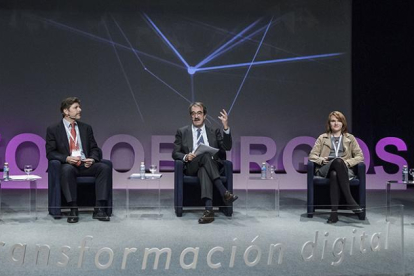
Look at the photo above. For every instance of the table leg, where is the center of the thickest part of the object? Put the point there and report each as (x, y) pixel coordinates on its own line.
(388, 199)
(277, 197)
(33, 199)
(30, 197)
(159, 197)
(247, 195)
(0, 201)
(127, 200)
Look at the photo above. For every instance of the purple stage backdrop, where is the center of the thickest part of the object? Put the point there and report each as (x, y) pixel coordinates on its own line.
(278, 71)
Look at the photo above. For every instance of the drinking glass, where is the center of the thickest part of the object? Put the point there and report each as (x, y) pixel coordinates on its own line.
(28, 169)
(411, 171)
(153, 169)
(272, 171)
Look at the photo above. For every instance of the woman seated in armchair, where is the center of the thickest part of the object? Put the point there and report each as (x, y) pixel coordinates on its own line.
(336, 152)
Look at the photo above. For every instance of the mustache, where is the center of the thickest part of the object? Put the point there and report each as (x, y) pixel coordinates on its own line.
(196, 119)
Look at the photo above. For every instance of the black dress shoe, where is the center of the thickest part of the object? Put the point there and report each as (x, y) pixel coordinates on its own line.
(208, 217)
(333, 218)
(100, 214)
(73, 215)
(229, 197)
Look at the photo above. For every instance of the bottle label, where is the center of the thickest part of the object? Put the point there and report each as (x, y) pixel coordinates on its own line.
(6, 173)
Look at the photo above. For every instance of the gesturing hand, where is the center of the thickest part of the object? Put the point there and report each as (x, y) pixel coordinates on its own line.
(224, 118)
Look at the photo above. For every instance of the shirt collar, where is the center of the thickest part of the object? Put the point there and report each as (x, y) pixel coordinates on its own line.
(67, 123)
(203, 128)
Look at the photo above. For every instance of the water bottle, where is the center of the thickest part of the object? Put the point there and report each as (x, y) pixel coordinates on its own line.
(405, 173)
(6, 172)
(263, 171)
(142, 170)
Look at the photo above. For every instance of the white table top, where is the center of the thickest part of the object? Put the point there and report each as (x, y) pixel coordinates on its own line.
(148, 176)
(23, 177)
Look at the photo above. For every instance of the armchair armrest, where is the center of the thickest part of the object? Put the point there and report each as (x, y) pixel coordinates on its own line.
(361, 171)
(107, 162)
(310, 172)
(310, 190)
(54, 187)
(362, 184)
(228, 171)
(178, 172)
(178, 184)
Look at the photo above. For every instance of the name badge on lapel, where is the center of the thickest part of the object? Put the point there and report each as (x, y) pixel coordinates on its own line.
(76, 153)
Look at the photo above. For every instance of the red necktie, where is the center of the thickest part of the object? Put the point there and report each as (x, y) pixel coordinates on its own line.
(72, 145)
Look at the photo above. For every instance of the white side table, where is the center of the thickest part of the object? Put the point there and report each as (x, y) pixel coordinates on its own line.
(270, 192)
(32, 179)
(151, 180)
(388, 192)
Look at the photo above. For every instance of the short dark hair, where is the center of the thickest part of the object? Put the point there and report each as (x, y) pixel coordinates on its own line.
(199, 104)
(66, 103)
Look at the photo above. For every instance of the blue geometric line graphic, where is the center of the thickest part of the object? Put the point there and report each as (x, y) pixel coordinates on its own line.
(129, 43)
(192, 88)
(144, 66)
(166, 40)
(213, 55)
(250, 66)
(169, 86)
(282, 60)
(123, 72)
(244, 39)
(192, 70)
(179, 94)
(100, 39)
(236, 39)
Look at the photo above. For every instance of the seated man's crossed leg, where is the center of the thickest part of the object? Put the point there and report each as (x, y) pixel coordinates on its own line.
(208, 172)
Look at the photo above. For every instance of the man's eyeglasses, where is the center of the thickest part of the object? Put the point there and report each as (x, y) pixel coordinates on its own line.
(199, 113)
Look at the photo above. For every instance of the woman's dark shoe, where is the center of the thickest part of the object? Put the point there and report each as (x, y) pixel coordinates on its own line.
(356, 209)
(333, 218)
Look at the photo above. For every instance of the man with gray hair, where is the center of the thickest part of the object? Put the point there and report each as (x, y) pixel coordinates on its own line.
(205, 166)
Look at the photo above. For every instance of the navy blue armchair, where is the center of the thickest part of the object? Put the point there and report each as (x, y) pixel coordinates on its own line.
(187, 191)
(86, 190)
(318, 190)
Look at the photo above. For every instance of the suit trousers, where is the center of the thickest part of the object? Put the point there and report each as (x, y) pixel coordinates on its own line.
(69, 185)
(207, 170)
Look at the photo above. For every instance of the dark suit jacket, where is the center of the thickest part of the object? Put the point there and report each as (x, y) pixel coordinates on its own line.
(183, 143)
(57, 143)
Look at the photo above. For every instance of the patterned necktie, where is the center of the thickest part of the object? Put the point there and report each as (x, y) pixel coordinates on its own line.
(72, 145)
(200, 140)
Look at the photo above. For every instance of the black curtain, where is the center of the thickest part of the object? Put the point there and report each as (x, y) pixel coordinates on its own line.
(383, 75)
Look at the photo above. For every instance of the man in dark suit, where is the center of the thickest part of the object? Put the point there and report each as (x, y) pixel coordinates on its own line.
(206, 166)
(73, 144)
